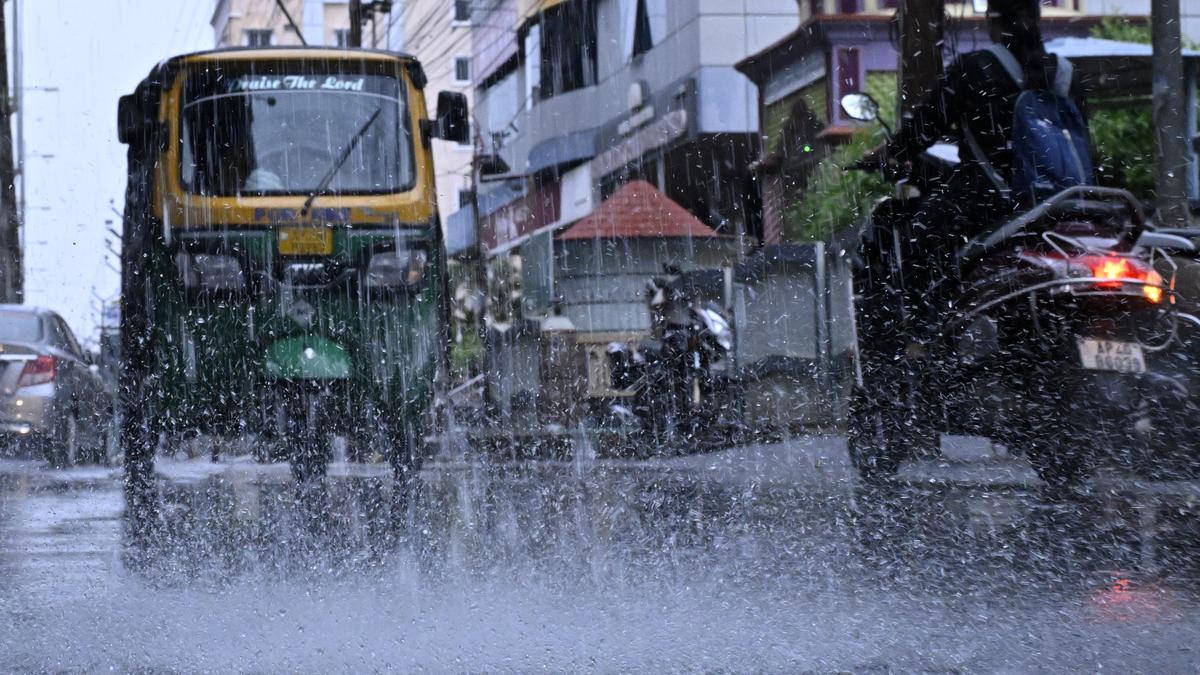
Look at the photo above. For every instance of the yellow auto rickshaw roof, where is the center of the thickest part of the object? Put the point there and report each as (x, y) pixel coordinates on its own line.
(288, 53)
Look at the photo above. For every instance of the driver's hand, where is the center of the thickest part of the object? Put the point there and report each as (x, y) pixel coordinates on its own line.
(881, 158)
(877, 156)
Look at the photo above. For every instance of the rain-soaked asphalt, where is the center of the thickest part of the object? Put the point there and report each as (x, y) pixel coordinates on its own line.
(764, 559)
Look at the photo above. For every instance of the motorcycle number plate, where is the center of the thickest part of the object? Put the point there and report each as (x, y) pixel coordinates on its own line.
(1121, 357)
(305, 241)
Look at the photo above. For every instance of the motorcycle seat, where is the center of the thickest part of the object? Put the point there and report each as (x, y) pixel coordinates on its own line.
(1085, 202)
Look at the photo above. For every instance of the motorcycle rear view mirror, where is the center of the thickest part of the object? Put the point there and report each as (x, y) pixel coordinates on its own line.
(860, 107)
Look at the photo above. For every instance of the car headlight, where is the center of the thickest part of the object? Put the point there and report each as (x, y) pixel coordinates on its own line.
(396, 269)
(210, 271)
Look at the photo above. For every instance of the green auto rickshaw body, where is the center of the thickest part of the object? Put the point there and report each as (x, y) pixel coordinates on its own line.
(230, 296)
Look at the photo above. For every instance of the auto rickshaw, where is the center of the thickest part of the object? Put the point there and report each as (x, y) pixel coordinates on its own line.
(283, 270)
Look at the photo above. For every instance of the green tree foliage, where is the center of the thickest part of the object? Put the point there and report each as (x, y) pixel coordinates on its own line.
(837, 198)
(1123, 136)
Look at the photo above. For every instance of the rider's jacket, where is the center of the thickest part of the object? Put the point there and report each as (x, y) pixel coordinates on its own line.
(978, 92)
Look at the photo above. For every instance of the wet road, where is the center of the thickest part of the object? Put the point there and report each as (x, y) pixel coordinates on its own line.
(767, 558)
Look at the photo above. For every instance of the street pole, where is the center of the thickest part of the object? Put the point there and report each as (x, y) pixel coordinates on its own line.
(356, 23)
(19, 98)
(12, 282)
(922, 24)
(480, 268)
(1170, 114)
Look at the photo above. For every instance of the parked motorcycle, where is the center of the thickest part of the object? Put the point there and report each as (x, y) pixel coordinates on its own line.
(678, 376)
(1055, 333)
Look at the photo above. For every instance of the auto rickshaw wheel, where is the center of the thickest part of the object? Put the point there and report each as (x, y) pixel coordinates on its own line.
(304, 432)
(407, 455)
(407, 448)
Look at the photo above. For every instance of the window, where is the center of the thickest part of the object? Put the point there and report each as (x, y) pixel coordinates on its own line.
(643, 40)
(258, 37)
(644, 25)
(848, 7)
(568, 40)
(462, 69)
(816, 7)
(341, 37)
(848, 78)
(464, 197)
(462, 11)
(20, 326)
(533, 65)
(503, 103)
(63, 338)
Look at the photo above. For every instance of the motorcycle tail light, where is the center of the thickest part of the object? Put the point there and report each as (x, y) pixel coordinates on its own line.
(1113, 272)
(40, 370)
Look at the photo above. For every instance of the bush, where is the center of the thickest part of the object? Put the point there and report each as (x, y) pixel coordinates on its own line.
(837, 198)
(1123, 138)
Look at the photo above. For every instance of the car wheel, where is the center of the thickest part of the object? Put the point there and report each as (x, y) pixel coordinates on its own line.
(95, 449)
(309, 443)
(63, 449)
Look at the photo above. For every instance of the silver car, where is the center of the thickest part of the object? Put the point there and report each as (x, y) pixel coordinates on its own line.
(52, 396)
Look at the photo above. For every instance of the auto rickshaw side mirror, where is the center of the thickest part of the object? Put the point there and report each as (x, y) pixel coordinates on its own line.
(453, 121)
(125, 112)
(135, 124)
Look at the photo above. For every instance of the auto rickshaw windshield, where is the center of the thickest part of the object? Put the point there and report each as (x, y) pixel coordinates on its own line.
(280, 132)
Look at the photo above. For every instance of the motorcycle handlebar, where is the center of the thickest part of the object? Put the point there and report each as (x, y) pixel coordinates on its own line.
(889, 171)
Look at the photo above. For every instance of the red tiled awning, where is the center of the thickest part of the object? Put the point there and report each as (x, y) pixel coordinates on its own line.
(636, 210)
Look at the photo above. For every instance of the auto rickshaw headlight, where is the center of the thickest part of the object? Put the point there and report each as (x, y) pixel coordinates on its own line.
(396, 269)
(211, 271)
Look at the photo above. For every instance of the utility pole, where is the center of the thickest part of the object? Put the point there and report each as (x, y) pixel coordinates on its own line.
(922, 25)
(356, 23)
(12, 282)
(19, 99)
(287, 15)
(1170, 114)
(479, 268)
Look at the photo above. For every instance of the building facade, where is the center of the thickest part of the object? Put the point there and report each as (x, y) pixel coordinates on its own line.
(261, 23)
(439, 34)
(579, 97)
(622, 110)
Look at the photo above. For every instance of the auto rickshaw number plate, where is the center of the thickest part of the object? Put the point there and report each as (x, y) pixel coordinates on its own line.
(1122, 357)
(305, 241)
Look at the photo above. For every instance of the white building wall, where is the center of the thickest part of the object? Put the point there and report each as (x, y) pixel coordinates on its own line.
(430, 34)
(313, 21)
(317, 19)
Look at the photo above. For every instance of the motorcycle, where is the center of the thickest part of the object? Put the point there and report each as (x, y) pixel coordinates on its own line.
(1055, 333)
(678, 376)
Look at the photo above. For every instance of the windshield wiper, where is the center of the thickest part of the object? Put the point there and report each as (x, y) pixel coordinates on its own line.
(328, 177)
